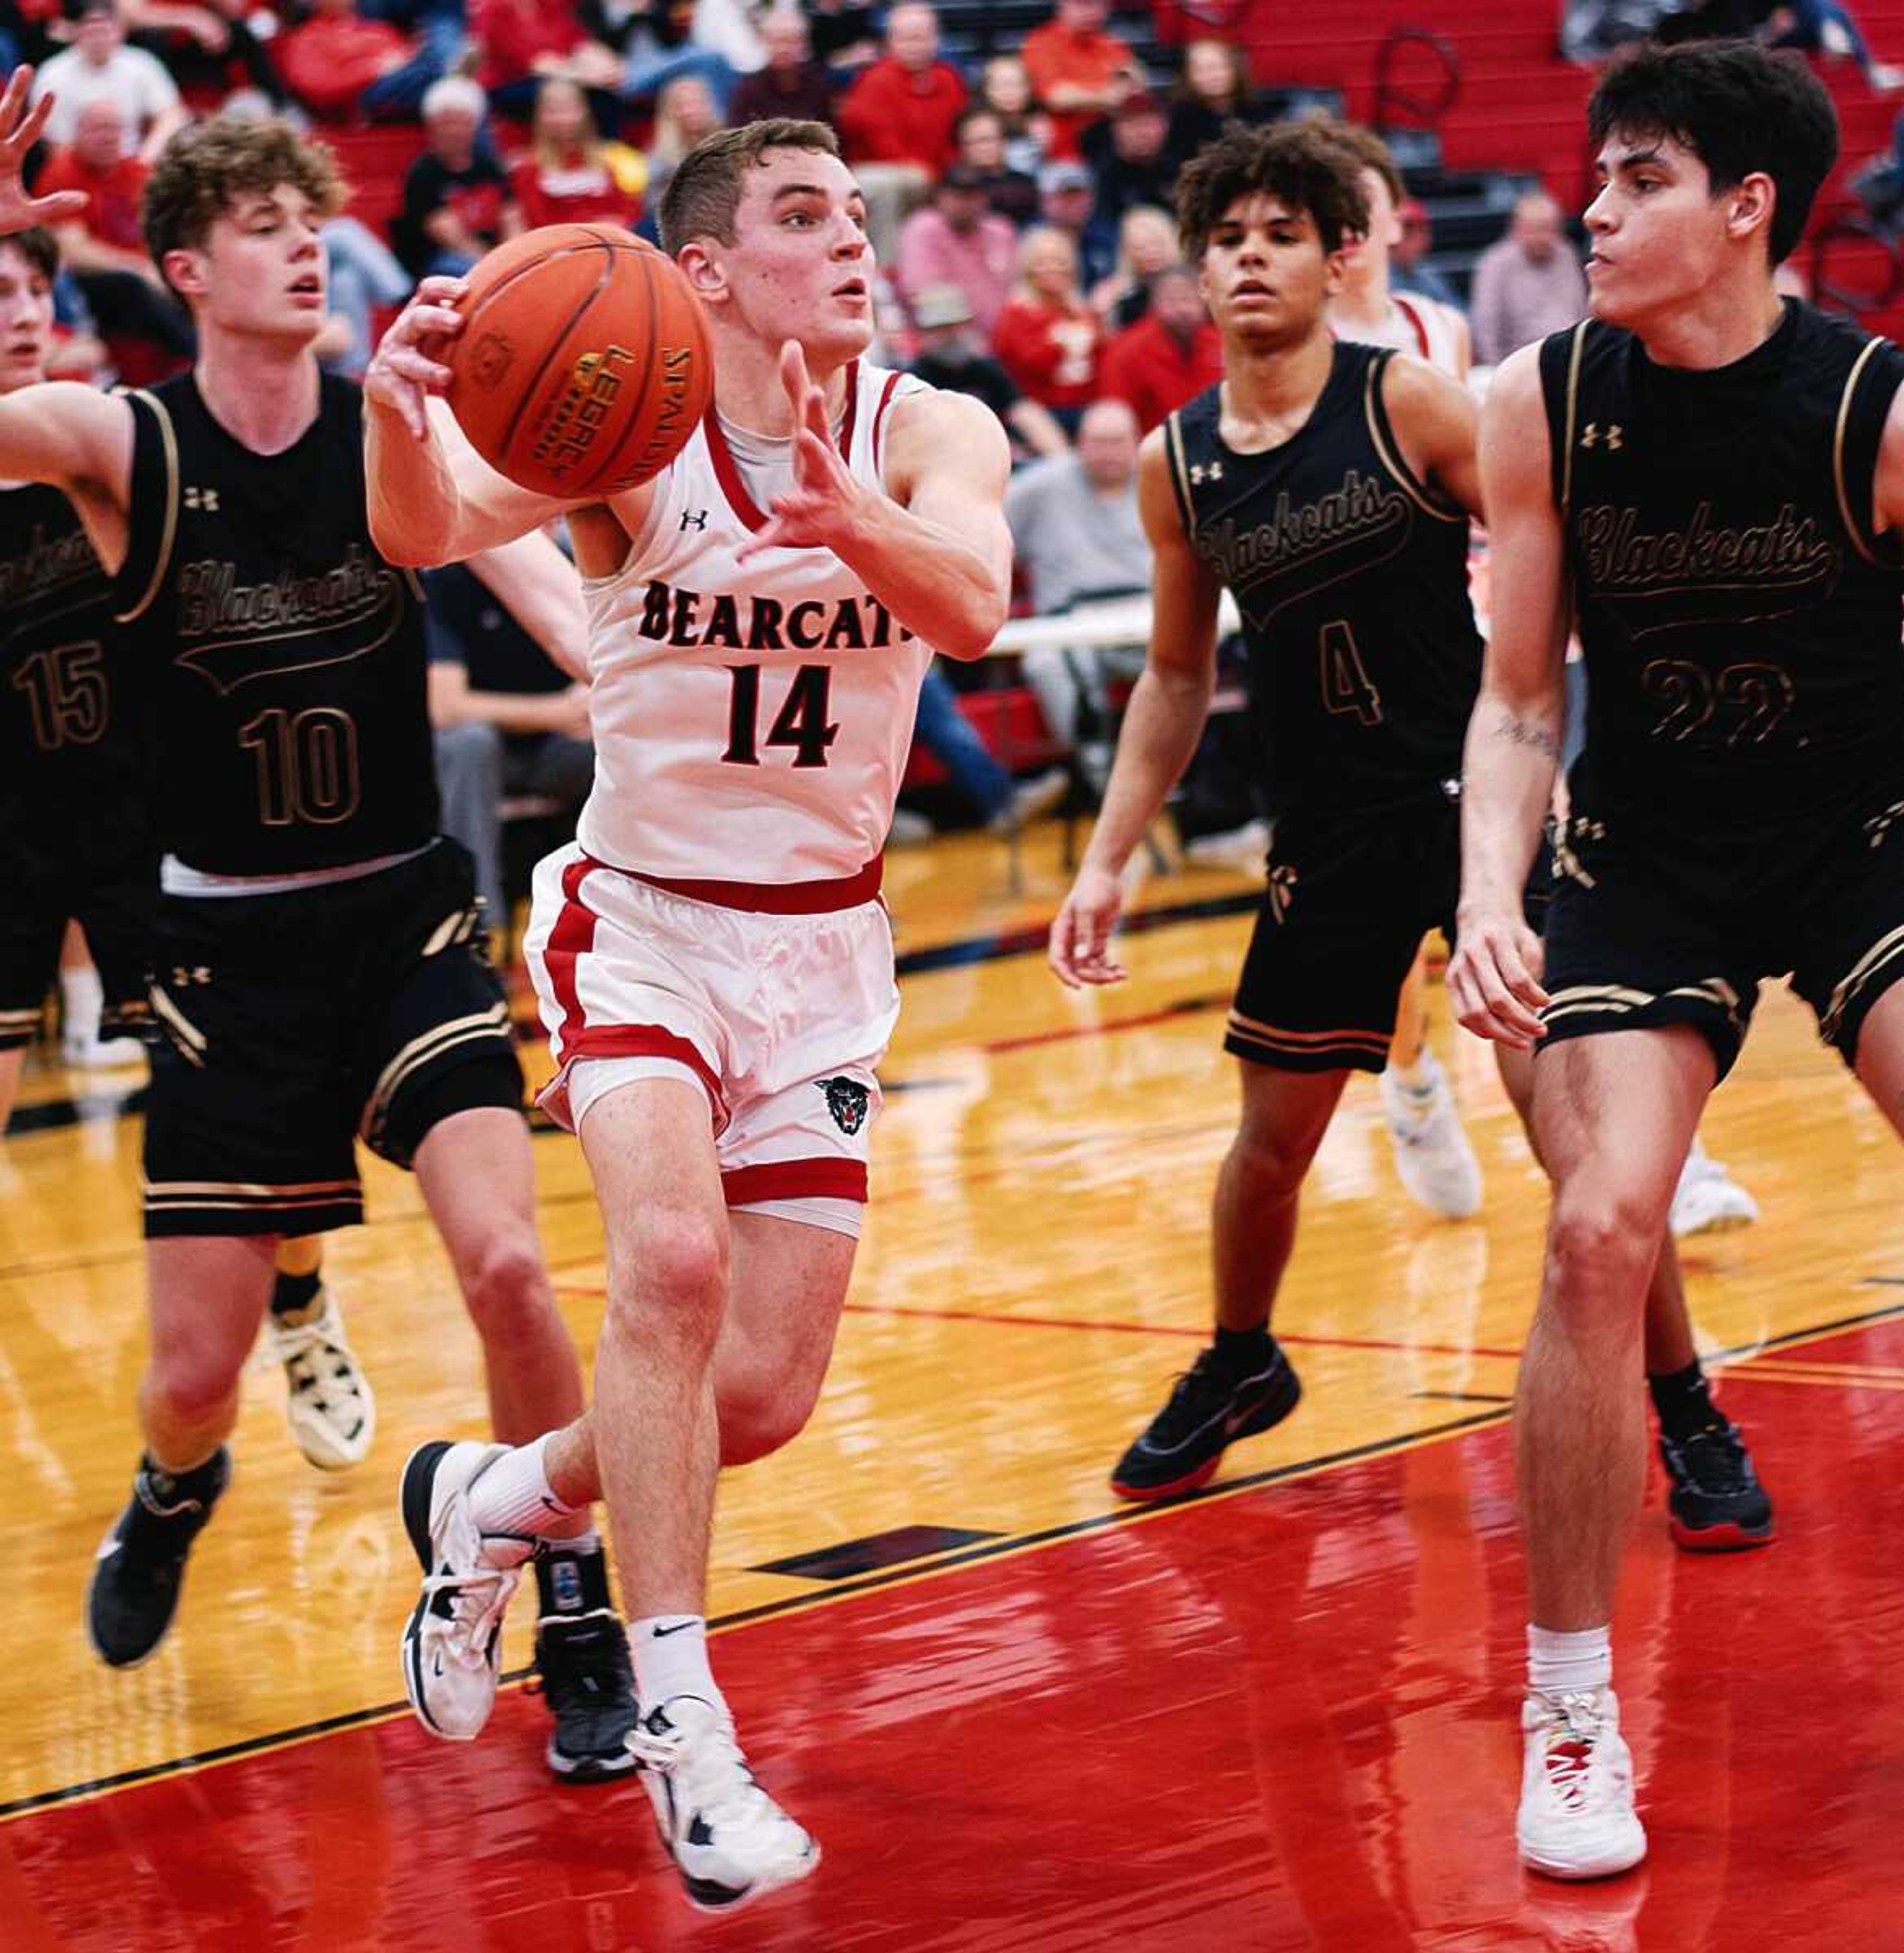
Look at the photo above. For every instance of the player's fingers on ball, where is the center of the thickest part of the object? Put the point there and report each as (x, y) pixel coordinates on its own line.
(439, 289)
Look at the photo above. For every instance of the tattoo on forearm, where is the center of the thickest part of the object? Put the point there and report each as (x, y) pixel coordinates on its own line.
(1527, 732)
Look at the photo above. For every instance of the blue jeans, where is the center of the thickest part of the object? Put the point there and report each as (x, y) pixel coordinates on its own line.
(947, 735)
(649, 69)
(399, 94)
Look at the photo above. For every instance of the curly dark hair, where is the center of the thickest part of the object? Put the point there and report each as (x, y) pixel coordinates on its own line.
(204, 169)
(1741, 110)
(1302, 165)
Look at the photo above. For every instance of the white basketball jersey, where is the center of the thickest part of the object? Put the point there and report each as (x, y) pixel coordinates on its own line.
(751, 720)
(1423, 327)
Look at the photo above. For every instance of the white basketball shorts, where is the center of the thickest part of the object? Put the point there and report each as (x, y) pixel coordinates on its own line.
(781, 1019)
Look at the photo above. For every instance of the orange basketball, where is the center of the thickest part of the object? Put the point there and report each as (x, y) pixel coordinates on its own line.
(584, 363)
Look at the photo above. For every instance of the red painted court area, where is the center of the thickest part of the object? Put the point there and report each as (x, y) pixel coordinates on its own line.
(1282, 1719)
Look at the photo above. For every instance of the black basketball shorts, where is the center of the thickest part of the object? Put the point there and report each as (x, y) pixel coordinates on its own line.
(294, 1024)
(1349, 897)
(113, 904)
(1650, 926)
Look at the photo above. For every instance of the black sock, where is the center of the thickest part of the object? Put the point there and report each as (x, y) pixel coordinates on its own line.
(1684, 1400)
(203, 1482)
(570, 1583)
(1241, 1351)
(290, 1293)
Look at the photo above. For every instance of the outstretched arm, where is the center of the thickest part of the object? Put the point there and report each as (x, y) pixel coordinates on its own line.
(1161, 726)
(935, 551)
(1513, 737)
(433, 498)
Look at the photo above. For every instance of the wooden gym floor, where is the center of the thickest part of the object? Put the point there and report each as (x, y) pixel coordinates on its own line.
(1018, 1715)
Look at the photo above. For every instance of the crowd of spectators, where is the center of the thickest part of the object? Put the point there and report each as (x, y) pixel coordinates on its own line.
(1019, 206)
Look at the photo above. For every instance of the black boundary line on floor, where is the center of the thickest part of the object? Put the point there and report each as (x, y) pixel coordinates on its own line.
(920, 1568)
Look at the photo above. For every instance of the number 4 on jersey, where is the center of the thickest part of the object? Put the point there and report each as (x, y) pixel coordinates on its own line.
(802, 723)
(1346, 686)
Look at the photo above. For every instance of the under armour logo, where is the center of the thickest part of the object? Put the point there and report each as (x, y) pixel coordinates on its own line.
(1591, 435)
(693, 519)
(205, 500)
(1203, 471)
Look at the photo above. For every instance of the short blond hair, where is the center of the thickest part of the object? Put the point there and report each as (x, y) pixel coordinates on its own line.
(203, 170)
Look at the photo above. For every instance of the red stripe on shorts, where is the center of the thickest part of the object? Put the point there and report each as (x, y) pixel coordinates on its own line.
(825, 1177)
(644, 1041)
(776, 898)
(571, 939)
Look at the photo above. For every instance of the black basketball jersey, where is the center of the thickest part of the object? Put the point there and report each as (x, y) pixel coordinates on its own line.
(74, 744)
(289, 662)
(1739, 615)
(1352, 577)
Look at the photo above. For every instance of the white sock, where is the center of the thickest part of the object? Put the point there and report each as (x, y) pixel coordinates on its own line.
(1419, 1077)
(514, 1495)
(1569, 1664)
(84, 997)
(670, 1654)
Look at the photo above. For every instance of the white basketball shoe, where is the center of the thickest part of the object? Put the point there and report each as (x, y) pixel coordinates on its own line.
(327, 1400)
(729, 1840)
(452, 1643)
(1576, 1818)
(1708, 1199)
(1432, 1157)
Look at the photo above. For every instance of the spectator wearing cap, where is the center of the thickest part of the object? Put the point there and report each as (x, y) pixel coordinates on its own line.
(99, 65)
(952, 357)
(1169, 356)
(1409, 270)
(1064, 199)
(1128, 163)
(1079, 69)
(792, 83)
(981, 138)
(903, 108)
(958, 239)
(1048, 338)
(454, 192)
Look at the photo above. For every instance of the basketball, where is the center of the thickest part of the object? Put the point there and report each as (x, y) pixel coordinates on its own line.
(585, 361)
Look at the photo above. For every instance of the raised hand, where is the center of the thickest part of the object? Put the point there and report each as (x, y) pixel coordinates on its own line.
(406, 369)
(19, 130)
(1079, 947)
(824, 498)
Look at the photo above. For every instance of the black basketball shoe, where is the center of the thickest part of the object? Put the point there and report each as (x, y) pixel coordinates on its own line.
(134, 1591)
(581, 1656)
(1208, 1410)
(1716, 1501)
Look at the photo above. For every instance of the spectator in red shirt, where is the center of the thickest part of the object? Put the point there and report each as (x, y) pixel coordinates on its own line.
(1048, 338)
(1079, 70)
(569, 175)
(792, 83)
(1169, 356)
(903, 109)
(524, 42)
(956, 240)
(338, 60)
(103, 247)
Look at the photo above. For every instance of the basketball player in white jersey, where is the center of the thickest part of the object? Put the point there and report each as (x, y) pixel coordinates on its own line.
(713, 962)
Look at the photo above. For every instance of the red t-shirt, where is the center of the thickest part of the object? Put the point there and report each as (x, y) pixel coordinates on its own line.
(1053, 55)
(112, 213)
(891, 115)
(1050, 353)
(577, 192)
(1153, 375)
(513, 32)
(328, 63)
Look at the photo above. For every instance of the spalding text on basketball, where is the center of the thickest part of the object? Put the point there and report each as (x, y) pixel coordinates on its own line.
(677, 369)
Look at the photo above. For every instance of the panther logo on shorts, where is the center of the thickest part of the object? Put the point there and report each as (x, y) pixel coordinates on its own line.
(846, 1100)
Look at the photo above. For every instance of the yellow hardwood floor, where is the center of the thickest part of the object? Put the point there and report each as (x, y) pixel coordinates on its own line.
(1033, 1274)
